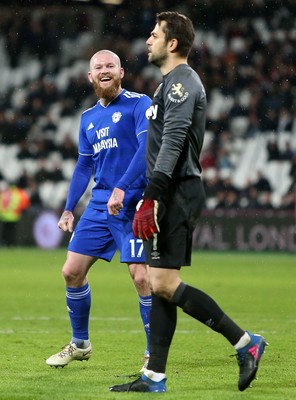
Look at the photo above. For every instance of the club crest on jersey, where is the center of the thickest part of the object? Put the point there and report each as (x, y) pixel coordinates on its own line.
(116, 117)
(177, 93)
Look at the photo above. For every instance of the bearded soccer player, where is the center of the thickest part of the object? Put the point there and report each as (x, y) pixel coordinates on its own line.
(172, 202)
(112, 142)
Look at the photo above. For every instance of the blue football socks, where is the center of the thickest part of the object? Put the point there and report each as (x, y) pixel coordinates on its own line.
(78, 304)
(145, 303)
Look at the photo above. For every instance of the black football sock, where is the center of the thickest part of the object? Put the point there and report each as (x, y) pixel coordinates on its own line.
(163, 320)
(202, 307)
(229, 329)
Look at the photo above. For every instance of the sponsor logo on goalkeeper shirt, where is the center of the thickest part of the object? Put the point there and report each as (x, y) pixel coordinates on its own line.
(152, 112)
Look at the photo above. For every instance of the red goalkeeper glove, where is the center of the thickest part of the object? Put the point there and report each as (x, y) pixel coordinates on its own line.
(145, 223)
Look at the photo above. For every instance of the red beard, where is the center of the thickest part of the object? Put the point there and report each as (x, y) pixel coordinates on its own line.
(108, 93)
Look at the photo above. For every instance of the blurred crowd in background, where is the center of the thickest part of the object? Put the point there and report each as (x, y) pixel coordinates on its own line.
(245, 53)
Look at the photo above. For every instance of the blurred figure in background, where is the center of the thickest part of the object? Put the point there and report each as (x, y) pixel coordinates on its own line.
(13, 202)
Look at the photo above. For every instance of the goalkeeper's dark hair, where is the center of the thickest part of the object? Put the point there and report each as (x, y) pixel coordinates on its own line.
(179, 27)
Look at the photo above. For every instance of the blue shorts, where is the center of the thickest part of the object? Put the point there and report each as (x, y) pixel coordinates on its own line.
(99, 234)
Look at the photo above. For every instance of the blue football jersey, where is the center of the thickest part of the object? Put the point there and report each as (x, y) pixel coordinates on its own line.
(111, 136)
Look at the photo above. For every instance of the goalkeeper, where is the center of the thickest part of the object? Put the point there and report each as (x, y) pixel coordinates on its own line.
(172, 203)
(112, 142)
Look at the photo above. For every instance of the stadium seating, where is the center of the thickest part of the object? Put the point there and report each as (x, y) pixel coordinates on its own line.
(247, 152)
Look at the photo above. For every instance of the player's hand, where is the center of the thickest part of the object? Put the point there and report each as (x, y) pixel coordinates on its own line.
(145, 223)
(115, 203)
(66, 221)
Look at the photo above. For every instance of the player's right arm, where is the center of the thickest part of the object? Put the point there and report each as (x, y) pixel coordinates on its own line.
(78, 185)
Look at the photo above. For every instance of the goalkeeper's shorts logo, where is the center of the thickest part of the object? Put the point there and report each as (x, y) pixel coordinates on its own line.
(155, 255)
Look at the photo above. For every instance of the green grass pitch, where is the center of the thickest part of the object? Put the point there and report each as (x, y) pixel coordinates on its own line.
(257, 290)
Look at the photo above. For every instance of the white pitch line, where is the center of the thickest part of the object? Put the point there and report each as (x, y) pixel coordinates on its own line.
(104, 331)
(46, 318)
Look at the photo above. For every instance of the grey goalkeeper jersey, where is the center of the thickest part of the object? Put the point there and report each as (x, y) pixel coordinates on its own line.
(177, 125)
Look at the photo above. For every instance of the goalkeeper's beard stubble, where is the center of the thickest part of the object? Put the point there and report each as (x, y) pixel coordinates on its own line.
(108, 93)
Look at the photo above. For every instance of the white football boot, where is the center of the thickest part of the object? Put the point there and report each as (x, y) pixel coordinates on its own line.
(70, 352)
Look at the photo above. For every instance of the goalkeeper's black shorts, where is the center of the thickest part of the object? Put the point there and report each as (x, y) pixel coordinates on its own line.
(177, 217)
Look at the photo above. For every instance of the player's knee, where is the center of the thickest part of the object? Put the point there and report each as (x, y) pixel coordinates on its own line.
(139, 275)
(67, 274)
(71, 276)
(162, 293)
(140, 279)
(161, 289)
